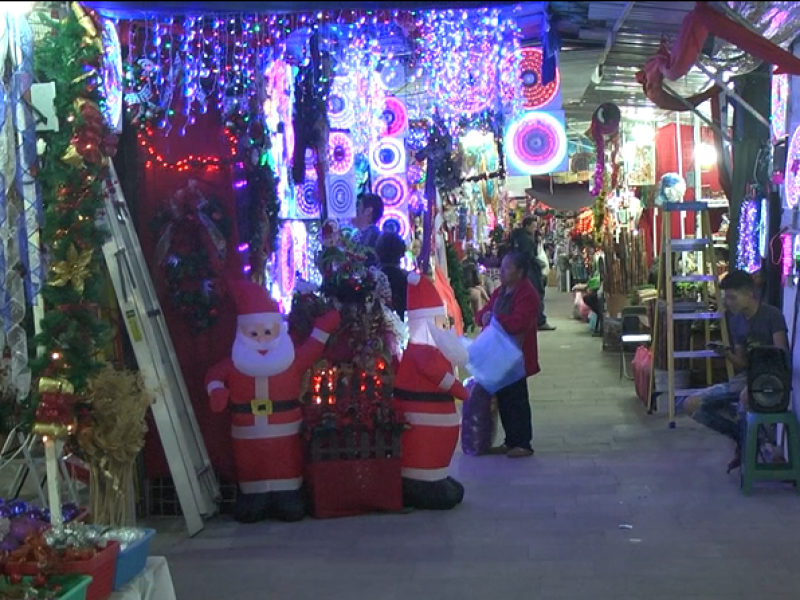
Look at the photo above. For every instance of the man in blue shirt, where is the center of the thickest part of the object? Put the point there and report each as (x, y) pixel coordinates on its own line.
(369, 210)
(751, 324)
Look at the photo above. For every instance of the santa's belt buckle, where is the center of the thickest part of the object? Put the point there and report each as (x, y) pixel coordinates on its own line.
(261, 408)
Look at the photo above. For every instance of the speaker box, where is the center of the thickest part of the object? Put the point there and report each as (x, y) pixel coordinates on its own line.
(769, 380)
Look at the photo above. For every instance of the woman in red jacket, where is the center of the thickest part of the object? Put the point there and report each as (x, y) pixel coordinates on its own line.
(515, 305)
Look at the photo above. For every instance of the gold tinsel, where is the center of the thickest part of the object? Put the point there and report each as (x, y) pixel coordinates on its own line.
(118, 402)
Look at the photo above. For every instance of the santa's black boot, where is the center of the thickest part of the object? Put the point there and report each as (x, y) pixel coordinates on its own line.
(251, 508)
(457, 490)
(431, 495)
(289, 506)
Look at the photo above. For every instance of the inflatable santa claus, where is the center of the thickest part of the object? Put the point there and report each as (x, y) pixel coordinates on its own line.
(425, 387)
(260, 384)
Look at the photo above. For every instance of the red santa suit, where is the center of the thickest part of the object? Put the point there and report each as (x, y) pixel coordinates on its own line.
(425, 387)
(260, 384)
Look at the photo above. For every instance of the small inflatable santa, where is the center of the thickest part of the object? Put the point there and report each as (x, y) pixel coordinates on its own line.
(425, 387)
(260, 384)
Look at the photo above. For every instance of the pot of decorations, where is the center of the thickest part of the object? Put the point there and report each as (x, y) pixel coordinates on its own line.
(351, 430)
(111, 433)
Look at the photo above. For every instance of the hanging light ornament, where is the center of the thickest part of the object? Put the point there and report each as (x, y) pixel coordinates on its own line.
(360, 90)
(465, 54)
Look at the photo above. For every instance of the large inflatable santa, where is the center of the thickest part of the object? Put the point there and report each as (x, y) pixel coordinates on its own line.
(260, 384)
(425, 388)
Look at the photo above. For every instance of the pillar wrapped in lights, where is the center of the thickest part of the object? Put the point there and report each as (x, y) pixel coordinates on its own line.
(748, 256)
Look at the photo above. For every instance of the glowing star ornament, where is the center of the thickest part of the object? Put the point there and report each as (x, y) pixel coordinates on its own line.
(396, 117)
(395, 221)
(535, 144)
(392, 191)
(340, 105)
(526, 81)
(388, 156)
(341, 155)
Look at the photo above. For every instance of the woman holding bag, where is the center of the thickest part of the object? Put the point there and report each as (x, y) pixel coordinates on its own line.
(515, 306)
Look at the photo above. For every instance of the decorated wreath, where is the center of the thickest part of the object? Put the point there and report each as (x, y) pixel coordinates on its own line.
(193, 232)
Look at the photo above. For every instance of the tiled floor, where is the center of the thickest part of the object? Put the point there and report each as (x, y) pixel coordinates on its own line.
(613, 506)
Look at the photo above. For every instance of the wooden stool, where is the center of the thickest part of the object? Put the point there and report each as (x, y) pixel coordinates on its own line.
(752, 471)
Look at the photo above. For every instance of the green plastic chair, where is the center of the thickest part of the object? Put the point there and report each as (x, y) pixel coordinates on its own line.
(752, 470)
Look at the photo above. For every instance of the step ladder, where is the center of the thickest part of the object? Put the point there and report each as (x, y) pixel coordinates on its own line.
(703, 245)
(195, 482)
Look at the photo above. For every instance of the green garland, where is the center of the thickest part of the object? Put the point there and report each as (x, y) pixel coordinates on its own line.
(72, 175)
(456, 272)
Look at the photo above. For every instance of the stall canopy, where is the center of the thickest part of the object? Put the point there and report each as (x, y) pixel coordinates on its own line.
(562, 197)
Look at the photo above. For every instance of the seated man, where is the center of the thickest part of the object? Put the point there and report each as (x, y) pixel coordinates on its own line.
(751, 324)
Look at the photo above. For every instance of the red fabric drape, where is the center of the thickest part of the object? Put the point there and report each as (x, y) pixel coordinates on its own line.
(196, 351)
(676, 62)
(666, 142)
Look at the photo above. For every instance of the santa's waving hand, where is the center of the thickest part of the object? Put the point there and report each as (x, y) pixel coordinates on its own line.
(260, 384)
(425, 387)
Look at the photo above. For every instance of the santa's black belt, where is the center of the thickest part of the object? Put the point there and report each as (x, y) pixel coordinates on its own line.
(263, 408)
(422, 396)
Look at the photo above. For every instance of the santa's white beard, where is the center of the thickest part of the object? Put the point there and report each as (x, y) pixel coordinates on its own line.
(247, 359)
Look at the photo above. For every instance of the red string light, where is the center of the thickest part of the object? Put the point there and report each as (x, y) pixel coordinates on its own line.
(191, 162)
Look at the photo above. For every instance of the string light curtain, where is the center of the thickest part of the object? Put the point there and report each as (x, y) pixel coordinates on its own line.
(470, 59)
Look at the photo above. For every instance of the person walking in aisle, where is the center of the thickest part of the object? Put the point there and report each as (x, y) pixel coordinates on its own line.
(515, 305)
(525, 240)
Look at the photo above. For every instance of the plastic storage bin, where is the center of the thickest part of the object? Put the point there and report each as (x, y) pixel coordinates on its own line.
(76, 588)
(101, 569)
(131, 560)
(73, 587)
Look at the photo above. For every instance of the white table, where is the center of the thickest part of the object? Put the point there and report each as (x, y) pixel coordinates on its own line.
(154, 583)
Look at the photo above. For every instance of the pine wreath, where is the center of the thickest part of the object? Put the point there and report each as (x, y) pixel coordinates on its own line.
(193, 235)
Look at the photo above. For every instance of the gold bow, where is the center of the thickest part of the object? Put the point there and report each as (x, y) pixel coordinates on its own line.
(75, 270)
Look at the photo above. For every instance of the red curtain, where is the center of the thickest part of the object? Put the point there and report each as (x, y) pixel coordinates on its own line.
(197, 351)
(667, 162)
(673, 63)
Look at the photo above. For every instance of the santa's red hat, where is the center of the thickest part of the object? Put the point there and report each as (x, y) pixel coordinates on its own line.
(424, 302)
(253, 302)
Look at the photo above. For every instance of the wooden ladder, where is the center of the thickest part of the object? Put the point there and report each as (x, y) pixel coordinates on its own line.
(707, 277)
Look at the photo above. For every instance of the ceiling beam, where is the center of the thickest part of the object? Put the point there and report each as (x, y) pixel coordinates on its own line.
(611, 40)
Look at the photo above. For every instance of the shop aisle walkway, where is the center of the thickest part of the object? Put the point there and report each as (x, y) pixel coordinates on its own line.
(613, 506)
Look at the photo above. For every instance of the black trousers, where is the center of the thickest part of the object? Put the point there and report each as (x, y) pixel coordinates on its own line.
(515, 414)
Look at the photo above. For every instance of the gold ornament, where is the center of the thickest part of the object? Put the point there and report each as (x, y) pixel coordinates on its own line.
(84, 20)
(50, 385)
(75, 270)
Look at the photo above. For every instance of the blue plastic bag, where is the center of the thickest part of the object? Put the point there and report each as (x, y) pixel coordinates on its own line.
(495, 359)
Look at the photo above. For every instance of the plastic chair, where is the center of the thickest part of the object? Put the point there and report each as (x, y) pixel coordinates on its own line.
(633, 333)
(752, 470)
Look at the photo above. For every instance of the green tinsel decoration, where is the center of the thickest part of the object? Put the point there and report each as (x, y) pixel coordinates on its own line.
(456, 272)
(72, 332)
